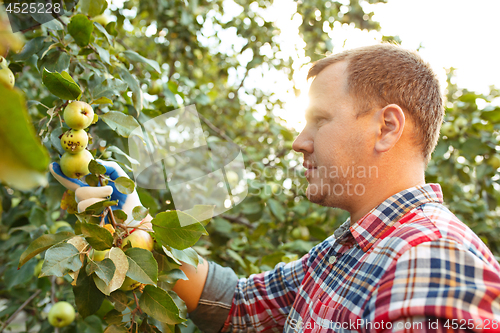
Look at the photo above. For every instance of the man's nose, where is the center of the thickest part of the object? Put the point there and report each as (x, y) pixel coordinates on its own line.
(303, 143)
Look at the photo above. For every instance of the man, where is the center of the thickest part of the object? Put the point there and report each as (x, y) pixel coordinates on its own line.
(402, 261)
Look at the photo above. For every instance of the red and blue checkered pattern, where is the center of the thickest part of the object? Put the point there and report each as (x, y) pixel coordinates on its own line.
(407, 266)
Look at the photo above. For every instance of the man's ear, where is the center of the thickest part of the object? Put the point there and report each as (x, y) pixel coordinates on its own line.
(391, 122)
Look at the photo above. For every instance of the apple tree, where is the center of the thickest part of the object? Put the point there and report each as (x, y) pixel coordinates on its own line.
(131, 63)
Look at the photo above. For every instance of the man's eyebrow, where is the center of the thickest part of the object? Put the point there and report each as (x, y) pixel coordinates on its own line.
(314, 111)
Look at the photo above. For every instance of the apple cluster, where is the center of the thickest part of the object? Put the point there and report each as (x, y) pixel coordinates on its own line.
(6, 75)
(75, 161)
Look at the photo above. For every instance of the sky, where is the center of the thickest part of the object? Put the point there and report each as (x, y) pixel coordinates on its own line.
(450, 33)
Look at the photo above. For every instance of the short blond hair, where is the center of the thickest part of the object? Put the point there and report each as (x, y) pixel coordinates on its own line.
(384, 74)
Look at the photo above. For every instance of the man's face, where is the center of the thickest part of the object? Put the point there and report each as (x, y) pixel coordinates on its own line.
(336, 145)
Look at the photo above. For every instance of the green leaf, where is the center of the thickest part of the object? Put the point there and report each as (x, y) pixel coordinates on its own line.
(121, 263)
(80, 28)
(104, 269)
(99, 238)
(203, 213)
(60, 259)
(166, 250)
(142, 266)
(109, 88)
(61, 85)
(120, 123)
(24, 159)
(38, 216)
(158, 304)
(115, 329)
(134, 56)
(30, 48)
(97, 168)
(103, 53)
(93, 7)
(134, 86)
(102, 100)
(88, 298)
(104, 32)
(55, 61)
(277, 209)
(171, 277)
(124, 185)
(98, 207)
(118, 151)
(41, 244)
(169, 231)
(188, 256)
(120, 215)
(111, 29)
(114, 317)
(91, 324)
(119, 300)
(491, 115)
(139, 213)
(236, 257)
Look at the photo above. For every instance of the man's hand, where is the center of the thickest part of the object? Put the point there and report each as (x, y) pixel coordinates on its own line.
(86, 195)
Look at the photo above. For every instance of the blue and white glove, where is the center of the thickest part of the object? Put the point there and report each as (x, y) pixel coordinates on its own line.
(86, 195)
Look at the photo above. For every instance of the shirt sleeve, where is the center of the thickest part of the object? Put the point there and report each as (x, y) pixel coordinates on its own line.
(216, 299)
(262, 301)
(442, 280)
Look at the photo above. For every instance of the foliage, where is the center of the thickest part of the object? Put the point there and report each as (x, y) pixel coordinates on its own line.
(130, 75)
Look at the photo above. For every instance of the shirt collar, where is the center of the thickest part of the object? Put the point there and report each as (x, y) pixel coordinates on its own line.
(369, 228)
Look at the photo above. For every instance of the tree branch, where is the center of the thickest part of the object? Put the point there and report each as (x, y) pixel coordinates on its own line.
(11, 318)
(213, 127)
(238, 219)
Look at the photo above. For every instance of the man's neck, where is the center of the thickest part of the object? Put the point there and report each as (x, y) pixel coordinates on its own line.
(377, 196)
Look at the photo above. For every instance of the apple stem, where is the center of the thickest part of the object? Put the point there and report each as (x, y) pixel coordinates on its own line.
(137, 303)
(112, 217)
(123, 226)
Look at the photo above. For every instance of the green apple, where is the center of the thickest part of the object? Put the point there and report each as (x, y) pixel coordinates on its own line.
(461, 123)
(74, 141)
(99, 255)
(139, 238)
(78, 115)
(102, 19)
(61, 314)
(304, 233)
(232, 178)
(76, 165)
(449, 130)
(129, 284)
(6, 75)
(296, 234)
(59, 224)
(38, 268)
(494, 161)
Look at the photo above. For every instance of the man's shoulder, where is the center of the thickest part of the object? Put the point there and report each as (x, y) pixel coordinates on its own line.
(434, 222)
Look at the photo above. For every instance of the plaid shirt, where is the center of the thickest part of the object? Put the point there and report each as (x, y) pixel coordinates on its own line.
(408, 265)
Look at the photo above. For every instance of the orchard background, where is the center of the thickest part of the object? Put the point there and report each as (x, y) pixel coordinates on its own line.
(145, 58)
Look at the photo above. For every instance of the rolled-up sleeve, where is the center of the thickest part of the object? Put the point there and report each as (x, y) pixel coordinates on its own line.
(263, 301)
(216, 299)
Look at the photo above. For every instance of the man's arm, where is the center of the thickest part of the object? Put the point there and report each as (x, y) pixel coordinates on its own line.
(190, 290)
